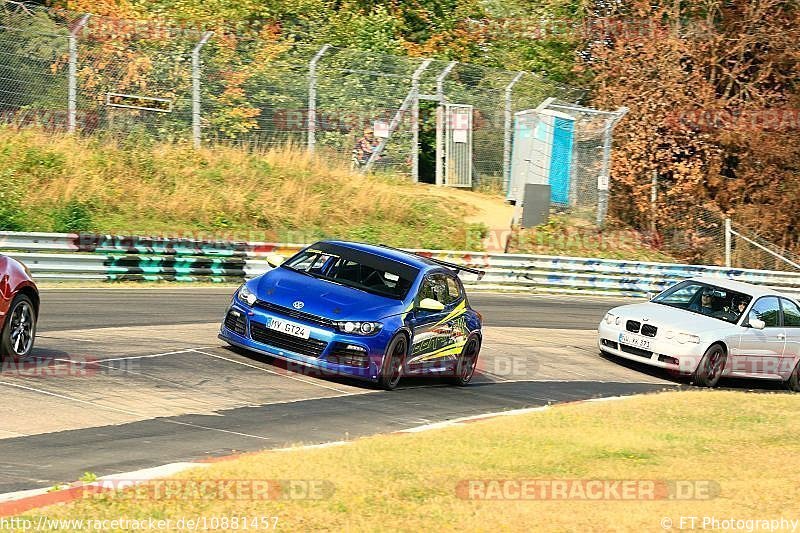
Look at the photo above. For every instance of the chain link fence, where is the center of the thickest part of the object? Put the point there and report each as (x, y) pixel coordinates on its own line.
(708, 236)
(74, 72)
(745, 249)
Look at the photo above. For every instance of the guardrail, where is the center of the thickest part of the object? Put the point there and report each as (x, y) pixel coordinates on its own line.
(60, 256)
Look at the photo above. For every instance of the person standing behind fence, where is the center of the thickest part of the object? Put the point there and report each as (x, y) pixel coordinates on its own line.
(364, 147)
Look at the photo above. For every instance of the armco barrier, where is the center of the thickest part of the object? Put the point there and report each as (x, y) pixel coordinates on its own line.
(110, 257)
(89, 256)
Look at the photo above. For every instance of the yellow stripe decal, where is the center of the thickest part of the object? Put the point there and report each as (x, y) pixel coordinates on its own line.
(451, 349)
(458, 311)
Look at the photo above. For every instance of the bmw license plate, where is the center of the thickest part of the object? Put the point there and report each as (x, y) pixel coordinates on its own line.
(636, 341)
(290, 328)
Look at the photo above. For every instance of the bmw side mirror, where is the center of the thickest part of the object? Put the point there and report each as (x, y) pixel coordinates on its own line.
(649, 295)
(757, 324)
(274, 260)
(429, 304)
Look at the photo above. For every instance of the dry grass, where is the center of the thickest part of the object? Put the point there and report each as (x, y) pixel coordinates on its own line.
(139, 187)
(575, 236)
(747, 443)
(281, 194)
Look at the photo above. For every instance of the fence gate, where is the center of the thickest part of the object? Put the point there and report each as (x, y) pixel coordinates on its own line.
(457, 144)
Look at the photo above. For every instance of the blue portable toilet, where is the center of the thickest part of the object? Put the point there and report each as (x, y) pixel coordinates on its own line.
(542, 153)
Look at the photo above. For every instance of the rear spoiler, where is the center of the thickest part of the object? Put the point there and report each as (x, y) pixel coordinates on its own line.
(452, 266)
(458, 268)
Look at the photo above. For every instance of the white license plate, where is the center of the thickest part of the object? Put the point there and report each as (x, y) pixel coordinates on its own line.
(637, 341)
(290, 328)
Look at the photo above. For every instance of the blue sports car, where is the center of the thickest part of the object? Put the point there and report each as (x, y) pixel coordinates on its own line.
(370, 312)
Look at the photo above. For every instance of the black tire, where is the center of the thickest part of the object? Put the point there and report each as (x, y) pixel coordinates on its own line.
(711, 367)
(19, 331)
(393, 361)
(467, 361)
(793, 383)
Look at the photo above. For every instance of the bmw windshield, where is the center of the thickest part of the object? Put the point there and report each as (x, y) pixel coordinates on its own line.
(355, 268)
(704, 299)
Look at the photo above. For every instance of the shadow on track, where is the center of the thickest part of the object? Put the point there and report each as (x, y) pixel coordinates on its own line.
(751, 385)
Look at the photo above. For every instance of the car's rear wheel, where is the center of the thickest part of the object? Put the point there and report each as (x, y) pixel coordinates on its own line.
(19, 333)
(393, 361)
(793, 383)
(709, 371)
(467, 361)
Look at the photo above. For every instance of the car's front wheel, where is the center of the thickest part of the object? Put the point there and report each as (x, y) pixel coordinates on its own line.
(793, 383)
(393, 361)
(16, 339)
(711, 366)
(467, 361)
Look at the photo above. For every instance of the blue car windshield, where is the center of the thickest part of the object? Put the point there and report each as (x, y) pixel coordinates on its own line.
(355, 268)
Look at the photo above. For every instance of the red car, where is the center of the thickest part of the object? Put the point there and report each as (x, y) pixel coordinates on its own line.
(19, 308)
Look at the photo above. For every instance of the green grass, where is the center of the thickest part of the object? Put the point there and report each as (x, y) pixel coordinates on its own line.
(744, 444)
(67, 184)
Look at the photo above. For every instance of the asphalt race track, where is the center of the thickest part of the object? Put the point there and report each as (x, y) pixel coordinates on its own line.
(103, 308)
(125, 379)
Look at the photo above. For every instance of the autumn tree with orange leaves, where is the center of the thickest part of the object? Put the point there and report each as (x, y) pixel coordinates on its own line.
(714, 91)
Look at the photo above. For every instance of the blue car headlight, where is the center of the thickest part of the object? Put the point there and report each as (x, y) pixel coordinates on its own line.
(246, 295)
(352, 327)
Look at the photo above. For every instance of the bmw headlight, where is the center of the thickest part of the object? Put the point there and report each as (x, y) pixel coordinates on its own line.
(611, 318)
(247, 296)
(352, 327)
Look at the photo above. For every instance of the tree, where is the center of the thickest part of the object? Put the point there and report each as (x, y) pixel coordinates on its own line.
(713, 93)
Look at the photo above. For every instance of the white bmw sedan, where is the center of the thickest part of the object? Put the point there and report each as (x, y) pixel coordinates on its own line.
(710, 328)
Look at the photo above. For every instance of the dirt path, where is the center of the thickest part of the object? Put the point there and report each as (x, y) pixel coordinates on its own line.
(489, 209)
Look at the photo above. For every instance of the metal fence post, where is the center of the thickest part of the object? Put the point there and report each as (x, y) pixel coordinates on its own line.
(196, 130)
(728, 238)
(312, 97)
(507, 132)
(415, 138)
(72, 83)
(409, 100)
(440, 122)
(603, 178)
(605, 172)
(653, 200)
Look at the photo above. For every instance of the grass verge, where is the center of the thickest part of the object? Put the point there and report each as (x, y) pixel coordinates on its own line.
(139, 187)
(574, 236)
(746, 444)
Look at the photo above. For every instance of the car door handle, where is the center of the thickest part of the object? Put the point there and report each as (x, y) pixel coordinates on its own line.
(782, 336)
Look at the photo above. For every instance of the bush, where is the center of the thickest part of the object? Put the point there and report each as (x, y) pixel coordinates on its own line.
(72, 216)
(11, 215)
(41, 162)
